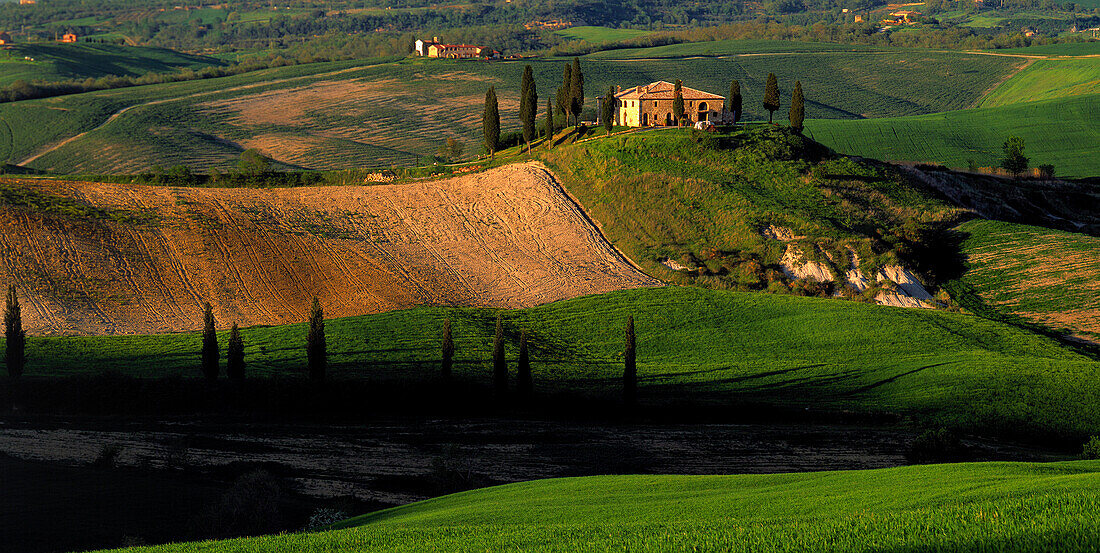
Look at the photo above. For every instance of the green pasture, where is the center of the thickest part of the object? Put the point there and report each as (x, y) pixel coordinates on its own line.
(600, 34)
(732, 48)
(695, 347)
(56, 62)
(1062, 132)
(1048, 79)
(1089, 48)
(1022, 507)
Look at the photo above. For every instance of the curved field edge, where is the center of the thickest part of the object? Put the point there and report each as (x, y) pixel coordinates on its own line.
(696, 348)
(961, 507)
(1062, 132)
(1046, 80)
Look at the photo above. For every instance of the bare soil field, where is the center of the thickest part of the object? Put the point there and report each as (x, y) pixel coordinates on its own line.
(510, 237)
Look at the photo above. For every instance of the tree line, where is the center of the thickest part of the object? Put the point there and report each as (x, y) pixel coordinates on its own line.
(316, 346)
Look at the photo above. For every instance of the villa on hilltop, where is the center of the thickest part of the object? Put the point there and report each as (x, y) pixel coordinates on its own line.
(436, 49)
(651, 105)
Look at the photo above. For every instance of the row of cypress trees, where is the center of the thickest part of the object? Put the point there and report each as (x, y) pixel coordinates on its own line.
(797, 113)
(316, 351)
(568, 100)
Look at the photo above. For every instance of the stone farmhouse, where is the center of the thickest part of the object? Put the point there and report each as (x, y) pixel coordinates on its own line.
(436, 49)
(68, 38)
(651, 105)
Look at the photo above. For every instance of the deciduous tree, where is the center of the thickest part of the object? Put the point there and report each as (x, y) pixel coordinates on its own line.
(1014, 160)
(15, 339)
(771, 96)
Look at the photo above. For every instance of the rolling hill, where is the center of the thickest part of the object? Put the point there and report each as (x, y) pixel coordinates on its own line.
(384, 112)
(965, 507)
(1062, 132)
(101, 258)
(57, 62)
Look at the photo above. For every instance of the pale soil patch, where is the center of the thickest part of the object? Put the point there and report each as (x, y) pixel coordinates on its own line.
(510, 237)
(290, 106)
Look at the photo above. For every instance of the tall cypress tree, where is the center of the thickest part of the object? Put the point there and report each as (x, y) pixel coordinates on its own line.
(563, 97)
(771, 96)
(490, 122)
(549, 123)
(210, 353)
(576, 91)
(316, 346)
(523, 372)
(448, 348)
(798, 108)
(15, 339)
(630, 369)
(678, 101)
(234, 362)
(607, 110)
(500, 365)
(735, 100)
(528, 105)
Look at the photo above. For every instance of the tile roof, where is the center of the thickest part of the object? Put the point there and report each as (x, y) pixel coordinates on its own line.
(664, 90)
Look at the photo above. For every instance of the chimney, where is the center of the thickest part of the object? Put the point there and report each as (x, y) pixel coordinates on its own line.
(618, 89)
(435, 39)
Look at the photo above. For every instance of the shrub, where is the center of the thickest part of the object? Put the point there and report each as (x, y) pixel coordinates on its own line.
(1091, 450)
(936, 446)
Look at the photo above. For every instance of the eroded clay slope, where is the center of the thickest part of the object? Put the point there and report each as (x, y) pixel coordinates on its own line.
(149, 256)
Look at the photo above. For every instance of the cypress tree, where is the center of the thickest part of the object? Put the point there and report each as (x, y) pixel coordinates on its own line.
(735, 100)
(15, 339)
(210, 353)
(607, 110)
(490, 122)
(549, 123)
(771, 95)
(630, 370)
(678, 101)
(234, 362)
(798, 108)
(528, 105)
(500, 365)
(448, 347)
(523, 377)
(563, 99)
(316, 348)
(576, 91)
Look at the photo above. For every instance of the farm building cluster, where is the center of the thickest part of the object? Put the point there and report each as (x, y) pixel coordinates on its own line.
(651, 105)
(437, 49)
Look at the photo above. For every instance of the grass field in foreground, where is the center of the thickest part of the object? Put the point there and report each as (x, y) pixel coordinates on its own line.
(55, 62)
(1048, 79)
(1038, 274)
(1062, 132)
(695, 347)
(963, 507)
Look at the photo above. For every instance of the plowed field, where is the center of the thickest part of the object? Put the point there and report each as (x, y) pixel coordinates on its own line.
(511, 237)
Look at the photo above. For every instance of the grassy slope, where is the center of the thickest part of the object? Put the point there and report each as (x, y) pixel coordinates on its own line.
(1048, 79)
(1038, 274)
(600, 34)
(695, 347)
(1072, 49)
(731, 48)
(54, 62)
(1063, 132)
(837, 85)
(964, 507)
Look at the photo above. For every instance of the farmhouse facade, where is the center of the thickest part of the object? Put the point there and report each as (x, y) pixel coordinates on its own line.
(436, 49)
(68, 37)
(651, 105)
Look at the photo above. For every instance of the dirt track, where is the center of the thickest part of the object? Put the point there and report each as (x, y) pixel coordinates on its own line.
(510, 237)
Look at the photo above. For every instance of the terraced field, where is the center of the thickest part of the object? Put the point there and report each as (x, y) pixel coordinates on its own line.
(1040, 275)
(113, 259)
(1022, 507)
(387, 113)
